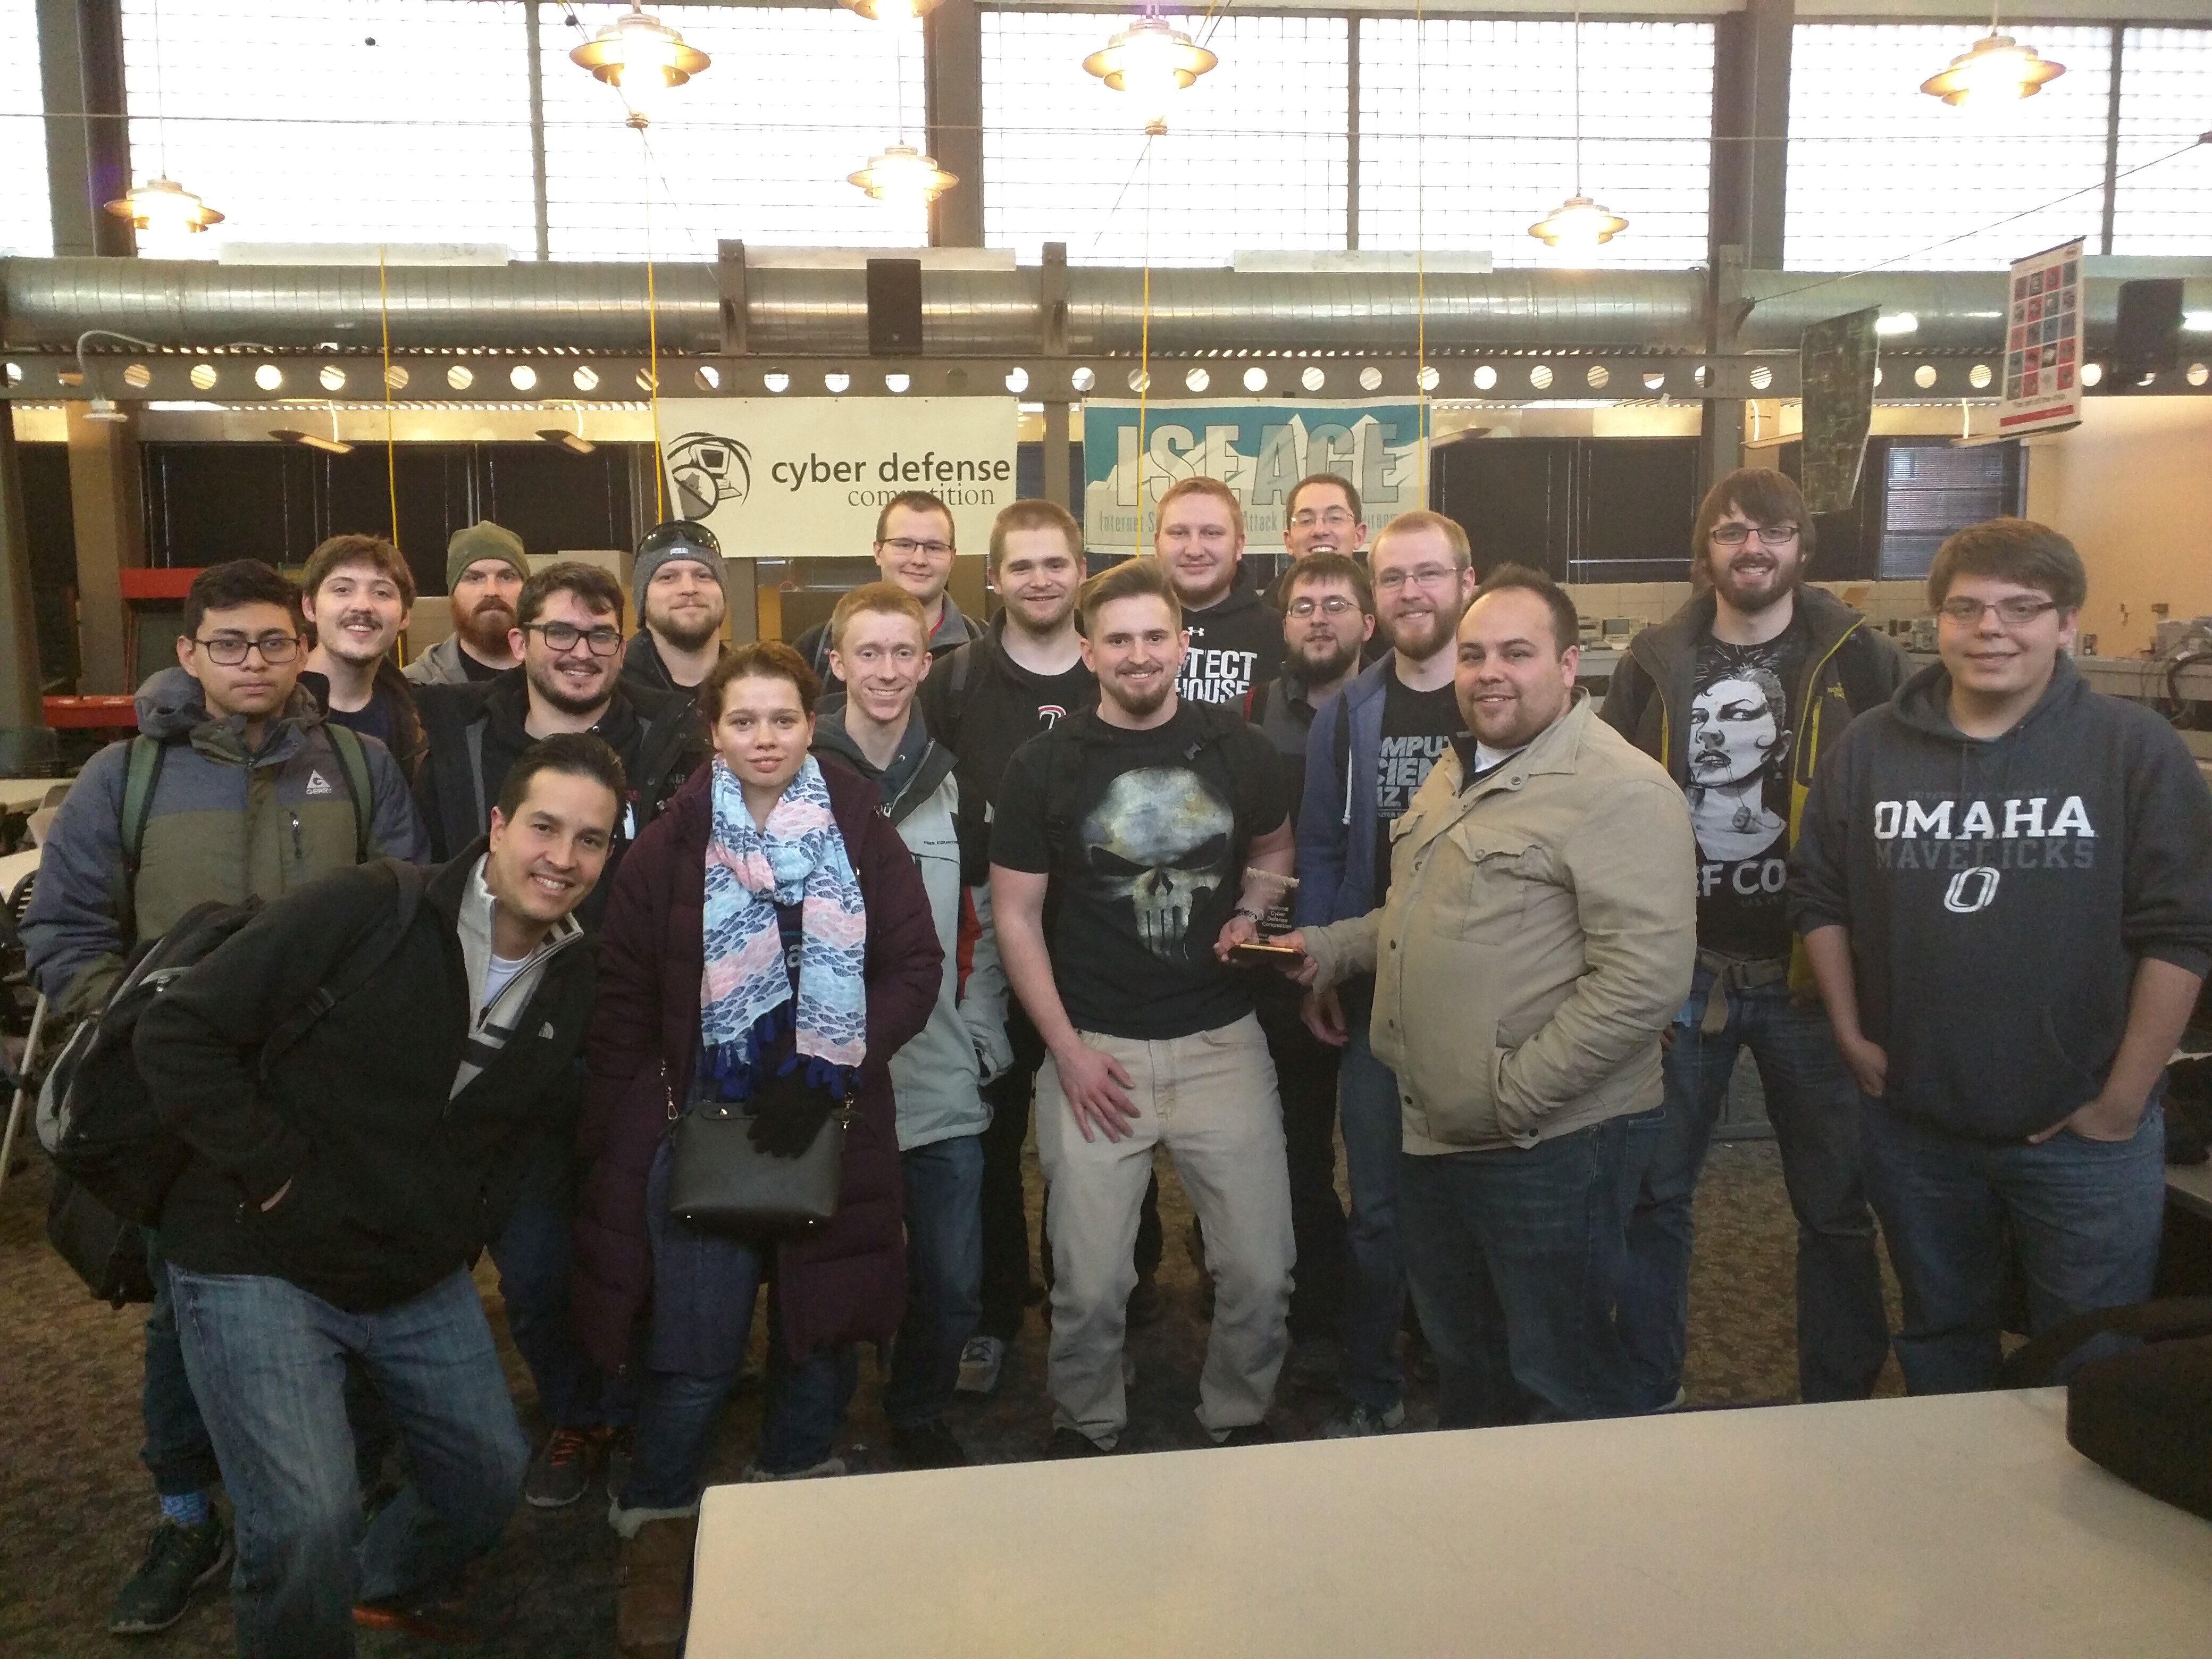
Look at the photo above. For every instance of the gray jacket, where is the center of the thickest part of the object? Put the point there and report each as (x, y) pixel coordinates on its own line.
(440, 666)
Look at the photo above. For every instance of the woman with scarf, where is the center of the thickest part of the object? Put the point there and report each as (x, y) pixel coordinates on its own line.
(769, 940)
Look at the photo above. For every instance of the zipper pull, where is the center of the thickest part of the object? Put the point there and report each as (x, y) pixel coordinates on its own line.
(298, 844)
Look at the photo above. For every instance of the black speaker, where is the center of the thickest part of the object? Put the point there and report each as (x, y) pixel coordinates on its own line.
(2146, 338)
(894, 308)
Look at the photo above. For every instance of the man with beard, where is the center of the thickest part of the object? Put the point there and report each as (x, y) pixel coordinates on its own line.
(1369, 750)
(568, 636)
(1738, 695)
(677, 582)
(983, 702)
(356, 593)
(1152, 823)
(485, 569)
(1198, 540)
(1328, 614)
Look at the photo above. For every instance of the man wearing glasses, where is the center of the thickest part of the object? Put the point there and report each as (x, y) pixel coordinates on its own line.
(1323, 516)
(1739, 694)
(1370, 750)
(913, 549)
(2004, 880)
(240, 792)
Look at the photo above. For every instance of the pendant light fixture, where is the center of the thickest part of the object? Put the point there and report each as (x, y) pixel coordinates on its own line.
(162, 206)
(899, 173)
(333, 445)
(1579, 225)
(640, 57)
(891, 11)
(1152, 62)
(1997, 69)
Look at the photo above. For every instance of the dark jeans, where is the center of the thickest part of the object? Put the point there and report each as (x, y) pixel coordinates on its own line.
(679, 1413)
(2081, 1218)
(1842, 1332)
(944, 1268)
(178, 1453)
(269, 1359)
(532, 1253)
(1514, 1259)
(1374, 1279)
(1305, 1076)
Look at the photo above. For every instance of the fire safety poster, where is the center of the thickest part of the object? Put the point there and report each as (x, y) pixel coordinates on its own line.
(2043, 344)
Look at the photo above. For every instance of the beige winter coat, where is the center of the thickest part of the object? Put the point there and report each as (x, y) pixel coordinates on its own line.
(1539, 934)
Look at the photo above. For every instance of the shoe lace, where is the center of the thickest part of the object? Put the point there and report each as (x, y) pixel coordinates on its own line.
(173, 1542)
(566, 1446)
(978, 1349)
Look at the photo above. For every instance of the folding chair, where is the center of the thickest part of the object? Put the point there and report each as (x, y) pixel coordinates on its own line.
(18, 902)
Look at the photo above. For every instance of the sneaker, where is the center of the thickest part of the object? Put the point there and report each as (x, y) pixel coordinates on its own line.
(1244, 1434)
(1070, 1443)
(929, 1446)
(179, 1560)
(1144, 1306)
(1313, 1364)
(652, 1579)
(449, 1614)
(822, 1471)
(622, 1449)
(1361, 1421)
(981, 1361)
(561, 1471)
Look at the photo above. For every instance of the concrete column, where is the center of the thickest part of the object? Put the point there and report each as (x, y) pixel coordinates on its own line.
(109, 509)
(20, 708)
(952, 79)
(88, 141)
(1750, 170)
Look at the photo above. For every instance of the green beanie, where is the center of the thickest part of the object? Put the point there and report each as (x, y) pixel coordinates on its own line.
(483, 541)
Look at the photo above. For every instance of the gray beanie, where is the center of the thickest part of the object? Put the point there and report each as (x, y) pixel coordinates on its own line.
(483, 541)
(678, 538)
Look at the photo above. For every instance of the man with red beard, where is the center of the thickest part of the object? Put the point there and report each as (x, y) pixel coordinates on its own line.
(485, 568)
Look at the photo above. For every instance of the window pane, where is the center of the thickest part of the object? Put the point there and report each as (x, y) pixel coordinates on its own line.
(1495, 105)
(2166, 97)
(1881, 173)
(25, 225)
(336, 120)
(1254, 156)
(757, 147)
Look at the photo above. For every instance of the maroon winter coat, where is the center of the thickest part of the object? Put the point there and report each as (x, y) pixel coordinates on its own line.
(845, 1283)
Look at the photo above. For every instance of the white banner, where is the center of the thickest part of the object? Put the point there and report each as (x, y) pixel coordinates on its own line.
(2043, 344)
(804, 477)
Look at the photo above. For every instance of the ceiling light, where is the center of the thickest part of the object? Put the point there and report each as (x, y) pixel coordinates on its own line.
(1998, 69)
(1150, 62)
(1896, 322)
(1578, 227)
(166, 208)
(288, 434)
(574, 442)
(2197, 322)
(640, 57)
(891, 11)
(903, 174)
(104, 411)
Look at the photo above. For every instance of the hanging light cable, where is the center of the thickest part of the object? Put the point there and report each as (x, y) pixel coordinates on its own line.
(1152, 61)
(899, 173)
(161, 205)
(1996, 69)
(1579, 225)
(640, 57)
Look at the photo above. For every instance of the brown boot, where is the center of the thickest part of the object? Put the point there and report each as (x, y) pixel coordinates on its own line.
(654, 1577)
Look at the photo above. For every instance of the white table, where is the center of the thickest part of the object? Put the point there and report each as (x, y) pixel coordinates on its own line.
(26, 794)
(1959, 1526)
(15, 867)
(2190, 1186)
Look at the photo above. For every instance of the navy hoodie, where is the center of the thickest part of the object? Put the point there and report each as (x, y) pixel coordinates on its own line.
(2000, 892)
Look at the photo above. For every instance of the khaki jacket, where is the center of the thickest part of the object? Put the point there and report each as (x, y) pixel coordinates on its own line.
(1540, 933)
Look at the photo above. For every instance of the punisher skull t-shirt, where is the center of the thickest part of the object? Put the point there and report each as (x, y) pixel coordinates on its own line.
(1742, 723)
(1153, 827)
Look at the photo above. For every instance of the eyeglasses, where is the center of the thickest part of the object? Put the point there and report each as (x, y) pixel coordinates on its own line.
(905, 544)
(2017, 610)
(601, 641)
(1770, 535)
(1429, 575)
(228, 650)
(1336, 518)
(1334, 605)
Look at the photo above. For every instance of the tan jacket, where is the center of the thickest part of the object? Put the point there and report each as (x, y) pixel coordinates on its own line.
(1539, 934)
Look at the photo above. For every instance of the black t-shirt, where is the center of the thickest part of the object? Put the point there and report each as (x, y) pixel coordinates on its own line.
(1233, 643)
(1742, 715)
(474, 670)
(998, 712)
(1151, 869)
(372, 720)
(1417, 727)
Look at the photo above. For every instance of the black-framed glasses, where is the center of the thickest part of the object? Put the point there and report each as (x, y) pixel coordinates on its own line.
(905, 544)
(1770, 535)
(2015, 610)
(228, 650)
(601, 641)
(1334, 605)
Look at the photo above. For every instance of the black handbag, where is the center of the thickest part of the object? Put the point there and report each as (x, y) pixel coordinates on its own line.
(107, 1252)
(718, 1182)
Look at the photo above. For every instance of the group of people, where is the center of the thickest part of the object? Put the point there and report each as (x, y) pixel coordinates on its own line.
(1151, 861)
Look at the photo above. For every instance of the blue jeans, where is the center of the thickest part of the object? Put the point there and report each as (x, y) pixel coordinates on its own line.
(943, 1276)
(532, 1253)
(679, 1413)
(268, 1361)
(1842, 1332)
(1515, 1260)
(178, 1453)
(2080, 1218)
(1375, 1280)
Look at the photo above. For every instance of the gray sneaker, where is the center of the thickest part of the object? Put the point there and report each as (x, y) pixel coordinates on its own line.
(179, 1560)
(980, 1362)
(1363, 1421)
(828, 1469)
(561, 1471)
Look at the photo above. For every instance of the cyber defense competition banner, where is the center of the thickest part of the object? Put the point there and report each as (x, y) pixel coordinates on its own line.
(804, 477)
(1260, 448)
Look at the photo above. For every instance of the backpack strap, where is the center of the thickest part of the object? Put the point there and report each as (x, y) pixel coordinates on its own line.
(148, 756)
(955, 684)
(352, 761)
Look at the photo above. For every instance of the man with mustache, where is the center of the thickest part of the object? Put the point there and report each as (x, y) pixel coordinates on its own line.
(1369, 751)
(357, 594)
(1739, 694)
(485, 569)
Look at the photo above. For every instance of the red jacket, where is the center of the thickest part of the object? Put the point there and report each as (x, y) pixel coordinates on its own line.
(845, 1283)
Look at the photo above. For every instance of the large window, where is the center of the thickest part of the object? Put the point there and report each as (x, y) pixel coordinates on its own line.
(1493, 103)
(25, 225)
(2166, 101)
(336, 120)
(757, 148)
(1882, 174)
(1254, 156)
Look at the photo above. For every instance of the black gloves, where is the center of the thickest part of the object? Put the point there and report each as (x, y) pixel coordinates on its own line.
(787, 1115)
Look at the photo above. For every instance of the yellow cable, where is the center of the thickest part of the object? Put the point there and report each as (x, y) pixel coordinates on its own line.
(1421, 263)
(390, 458)
(1144, 353)
(653, 339)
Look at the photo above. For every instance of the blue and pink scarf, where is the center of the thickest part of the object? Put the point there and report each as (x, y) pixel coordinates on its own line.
(746, 995)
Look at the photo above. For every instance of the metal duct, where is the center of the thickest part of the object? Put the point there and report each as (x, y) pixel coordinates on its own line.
(1958, 310)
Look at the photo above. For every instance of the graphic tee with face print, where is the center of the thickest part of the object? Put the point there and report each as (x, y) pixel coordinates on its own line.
(1742, 713)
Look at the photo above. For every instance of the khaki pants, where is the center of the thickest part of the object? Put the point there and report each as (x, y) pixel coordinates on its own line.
(1210, 1099)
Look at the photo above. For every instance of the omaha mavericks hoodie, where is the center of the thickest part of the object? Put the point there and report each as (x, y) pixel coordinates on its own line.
(1999, 893)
